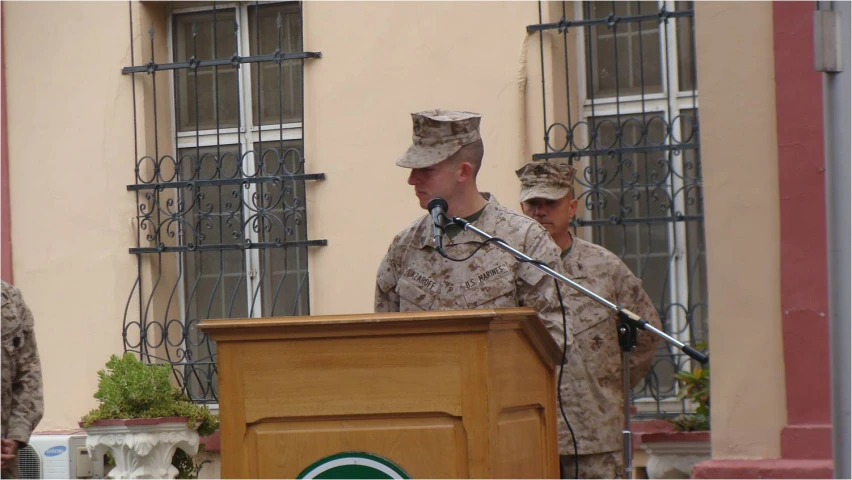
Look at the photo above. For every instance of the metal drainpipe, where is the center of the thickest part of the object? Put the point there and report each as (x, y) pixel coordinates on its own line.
(831, 42)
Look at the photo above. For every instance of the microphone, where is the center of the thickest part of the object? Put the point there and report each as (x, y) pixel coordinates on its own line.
(438, 207)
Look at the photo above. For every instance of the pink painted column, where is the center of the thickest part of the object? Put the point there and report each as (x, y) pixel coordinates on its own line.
(804, 272)
(806, 440)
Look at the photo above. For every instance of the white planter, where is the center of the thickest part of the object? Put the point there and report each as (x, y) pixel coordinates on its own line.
(142, 448)
(673, 454)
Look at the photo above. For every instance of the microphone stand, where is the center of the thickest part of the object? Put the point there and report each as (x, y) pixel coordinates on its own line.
(628, 328)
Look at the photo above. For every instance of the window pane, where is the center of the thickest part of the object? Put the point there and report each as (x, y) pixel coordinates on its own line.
(207, 97)
(636, 183)
(278, 91)
(685, 46)
(278, 212)
(215, 217)
(637, 188)
(624, 59)
(215, 281)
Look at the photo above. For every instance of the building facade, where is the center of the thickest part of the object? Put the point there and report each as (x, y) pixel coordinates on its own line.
(237, 160)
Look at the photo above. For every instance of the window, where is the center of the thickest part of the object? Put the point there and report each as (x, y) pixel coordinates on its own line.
(625, 60)
(642, 169)
(624, 111)
(234, 124)
(224, 212)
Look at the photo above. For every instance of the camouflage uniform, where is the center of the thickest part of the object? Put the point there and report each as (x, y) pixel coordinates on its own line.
(595, 465)
(599, 428)
(414, 277)
(22, 390)
(593, 397)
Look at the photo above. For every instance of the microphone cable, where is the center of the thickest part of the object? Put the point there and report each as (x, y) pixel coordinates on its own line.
(478, 247)
(562, 369)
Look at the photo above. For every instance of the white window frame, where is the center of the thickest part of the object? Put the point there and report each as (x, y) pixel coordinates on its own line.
(670, 104)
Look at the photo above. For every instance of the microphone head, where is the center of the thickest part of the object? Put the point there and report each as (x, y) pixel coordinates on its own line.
(437, 202)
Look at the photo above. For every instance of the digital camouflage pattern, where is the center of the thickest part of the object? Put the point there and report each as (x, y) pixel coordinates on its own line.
(597, 465)
(22, 388)
(437, 135)
(413, 276)
(551, 181)
(598, 424)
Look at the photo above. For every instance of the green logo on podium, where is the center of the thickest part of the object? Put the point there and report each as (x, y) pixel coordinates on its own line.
(353, 465)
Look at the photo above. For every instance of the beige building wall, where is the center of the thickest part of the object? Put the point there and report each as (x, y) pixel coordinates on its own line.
(734, 43)
(70, 134)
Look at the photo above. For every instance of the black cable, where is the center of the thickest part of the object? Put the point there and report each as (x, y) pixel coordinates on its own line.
(562, 368)
(478, 247)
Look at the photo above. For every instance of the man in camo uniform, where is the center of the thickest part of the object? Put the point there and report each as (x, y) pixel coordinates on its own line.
(547, 195)
(444, 160)
(22, 395)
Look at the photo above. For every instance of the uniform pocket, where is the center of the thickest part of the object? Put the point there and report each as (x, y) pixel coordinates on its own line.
(412, 297)
(600, 348)
(495, 293)
(584, 312)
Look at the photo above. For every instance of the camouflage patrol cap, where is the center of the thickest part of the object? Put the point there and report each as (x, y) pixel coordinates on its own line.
(438, 134)
(545, 180)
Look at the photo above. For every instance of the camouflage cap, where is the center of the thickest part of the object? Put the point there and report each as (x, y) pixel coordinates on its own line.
(437, 135)
(545, 180)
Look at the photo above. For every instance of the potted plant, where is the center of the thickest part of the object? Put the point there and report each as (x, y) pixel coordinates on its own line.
(695, 385)
(673, 454)
(142, 420)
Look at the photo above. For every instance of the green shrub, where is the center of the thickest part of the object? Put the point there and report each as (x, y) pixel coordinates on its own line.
(128, 388)
(691, 422)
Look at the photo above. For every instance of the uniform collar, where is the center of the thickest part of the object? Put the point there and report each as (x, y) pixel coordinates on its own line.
(571, 258)
(427, 240)
(567, 252)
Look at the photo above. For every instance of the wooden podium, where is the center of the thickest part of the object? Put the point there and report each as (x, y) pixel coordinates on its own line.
(449, 394)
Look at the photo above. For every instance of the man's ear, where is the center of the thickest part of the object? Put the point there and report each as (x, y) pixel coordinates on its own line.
(465, 171)
(574, 204)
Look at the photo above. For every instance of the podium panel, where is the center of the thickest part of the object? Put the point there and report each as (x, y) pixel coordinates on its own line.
(521, 441)
(425, 395)
(427, 447)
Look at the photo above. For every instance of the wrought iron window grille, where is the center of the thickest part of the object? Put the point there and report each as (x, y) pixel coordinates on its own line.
(632, 132)
(221, 219)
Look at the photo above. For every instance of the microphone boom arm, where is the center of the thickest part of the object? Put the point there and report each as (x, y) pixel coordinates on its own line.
(623, 314)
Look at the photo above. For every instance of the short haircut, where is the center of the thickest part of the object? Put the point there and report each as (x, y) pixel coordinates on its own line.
(471, 153)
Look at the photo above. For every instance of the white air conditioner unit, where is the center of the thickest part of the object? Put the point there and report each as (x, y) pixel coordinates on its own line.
(57, 456)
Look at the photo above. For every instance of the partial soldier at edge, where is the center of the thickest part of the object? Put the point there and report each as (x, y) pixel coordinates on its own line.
(23, 404)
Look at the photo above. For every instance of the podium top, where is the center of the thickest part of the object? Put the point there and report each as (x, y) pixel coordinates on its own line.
(387, 324)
